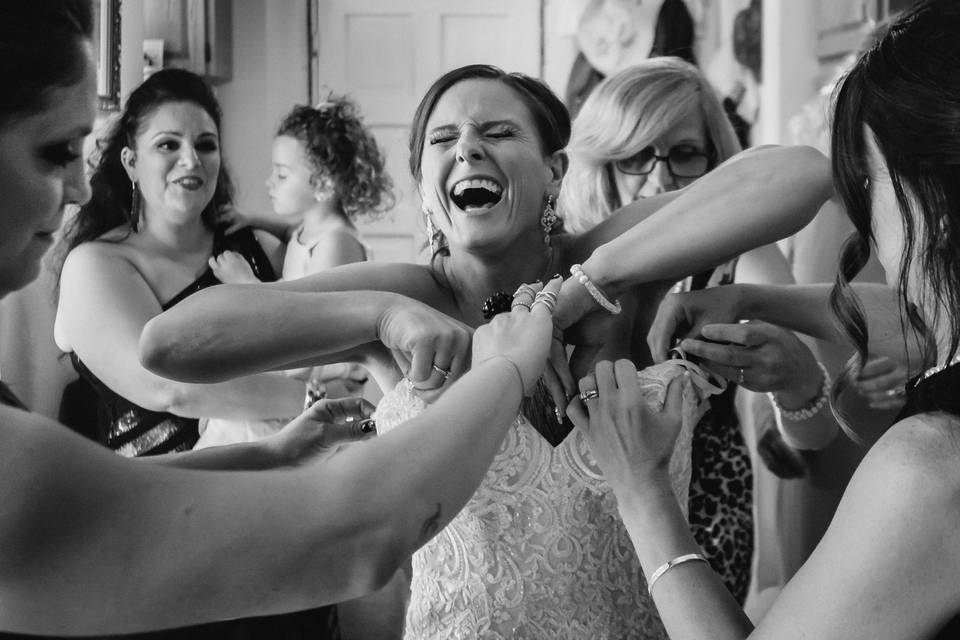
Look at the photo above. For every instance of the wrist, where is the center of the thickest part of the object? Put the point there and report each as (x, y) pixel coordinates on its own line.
(508, 365)
(644, 487)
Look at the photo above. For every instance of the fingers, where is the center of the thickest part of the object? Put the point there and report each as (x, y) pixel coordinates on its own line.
(341, 410)
(558, 365)
(733, 356)
(546, 299)
(749, 334)
(578, 408)
(663, 328)
(335, 434)
(680, 387)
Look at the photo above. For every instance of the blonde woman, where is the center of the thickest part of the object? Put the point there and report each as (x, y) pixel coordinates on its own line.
(653, 128)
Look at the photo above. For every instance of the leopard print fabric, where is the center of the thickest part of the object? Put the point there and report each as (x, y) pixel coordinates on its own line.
(721, 495)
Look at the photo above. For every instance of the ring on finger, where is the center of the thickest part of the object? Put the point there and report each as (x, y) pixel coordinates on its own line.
(590, 394)
(740, 376)
(896, 392)
(519, 303)
(443, 372)
(525, 290)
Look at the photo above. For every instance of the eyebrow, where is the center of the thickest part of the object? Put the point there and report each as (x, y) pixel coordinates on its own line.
(181, 134)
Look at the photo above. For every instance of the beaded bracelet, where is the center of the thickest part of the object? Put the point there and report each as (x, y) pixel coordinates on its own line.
(813, 407)
(613, 307)
(670, 564)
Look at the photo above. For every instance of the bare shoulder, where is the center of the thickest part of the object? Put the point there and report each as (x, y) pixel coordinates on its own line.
(913, 474)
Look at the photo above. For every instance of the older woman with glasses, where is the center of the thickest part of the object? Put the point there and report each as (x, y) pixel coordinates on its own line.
(657, 127)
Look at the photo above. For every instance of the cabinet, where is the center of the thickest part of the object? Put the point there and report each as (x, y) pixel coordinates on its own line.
(196, 34)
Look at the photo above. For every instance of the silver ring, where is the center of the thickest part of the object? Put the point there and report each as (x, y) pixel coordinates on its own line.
(525, 290)
(740, 378)
(441, 371)
(589, 395)
(896, 392)
(515, 304)
(548, 299)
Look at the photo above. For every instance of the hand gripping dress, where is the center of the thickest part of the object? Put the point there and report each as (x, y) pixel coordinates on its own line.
(539, 551)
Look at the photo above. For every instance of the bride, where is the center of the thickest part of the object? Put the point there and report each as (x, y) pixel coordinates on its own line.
(539, 552)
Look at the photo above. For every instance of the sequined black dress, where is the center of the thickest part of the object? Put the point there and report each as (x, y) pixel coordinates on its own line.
(132, 430)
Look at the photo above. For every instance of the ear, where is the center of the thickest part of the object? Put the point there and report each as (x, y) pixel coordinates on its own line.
(557, 165)
(128, 158)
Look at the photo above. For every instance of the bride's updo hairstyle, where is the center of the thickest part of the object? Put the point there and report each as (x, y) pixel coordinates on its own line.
(906, 89)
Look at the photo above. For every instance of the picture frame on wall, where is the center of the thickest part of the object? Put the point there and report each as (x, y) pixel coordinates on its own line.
(106, 47)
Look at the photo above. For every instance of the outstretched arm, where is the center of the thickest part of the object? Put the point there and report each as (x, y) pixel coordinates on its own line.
(91, 543)
(753, 199)
(226, 331)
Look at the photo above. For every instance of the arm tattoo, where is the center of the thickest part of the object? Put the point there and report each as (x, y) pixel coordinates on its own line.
(430, 527)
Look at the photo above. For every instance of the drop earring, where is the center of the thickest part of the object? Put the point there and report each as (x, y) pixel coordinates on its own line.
(548, 219)
(432, 233)
(136, 206)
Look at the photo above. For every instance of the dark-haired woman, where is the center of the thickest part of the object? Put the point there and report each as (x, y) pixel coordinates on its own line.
(889, 564)
(142, 244)
(92, 543)
(539, 551)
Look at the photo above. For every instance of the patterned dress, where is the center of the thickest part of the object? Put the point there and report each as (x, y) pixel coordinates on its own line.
(539, 552)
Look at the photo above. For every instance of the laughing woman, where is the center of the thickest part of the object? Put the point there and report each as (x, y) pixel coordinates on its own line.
(539, 551)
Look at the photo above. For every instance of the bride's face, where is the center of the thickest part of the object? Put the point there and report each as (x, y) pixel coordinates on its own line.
(484, 172)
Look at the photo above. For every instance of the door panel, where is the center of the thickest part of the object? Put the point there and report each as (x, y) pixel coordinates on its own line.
(386, 53)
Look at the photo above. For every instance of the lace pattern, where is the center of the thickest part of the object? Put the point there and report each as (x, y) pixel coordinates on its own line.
(539, 551)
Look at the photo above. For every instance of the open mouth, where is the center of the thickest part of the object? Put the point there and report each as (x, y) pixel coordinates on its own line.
(476, 193)
(189, 182)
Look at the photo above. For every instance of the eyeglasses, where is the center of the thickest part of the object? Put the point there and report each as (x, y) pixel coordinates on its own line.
(682, 161)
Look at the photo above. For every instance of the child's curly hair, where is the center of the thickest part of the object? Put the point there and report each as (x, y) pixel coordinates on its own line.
(343, 153)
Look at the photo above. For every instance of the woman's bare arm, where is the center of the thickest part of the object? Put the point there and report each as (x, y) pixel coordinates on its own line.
(91, 543)
(754, 199)
(104, 305)
(227, 331)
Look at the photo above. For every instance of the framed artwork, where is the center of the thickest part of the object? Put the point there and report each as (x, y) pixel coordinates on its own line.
(106, 47)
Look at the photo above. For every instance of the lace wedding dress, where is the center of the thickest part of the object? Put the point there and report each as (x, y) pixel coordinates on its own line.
(539, 551)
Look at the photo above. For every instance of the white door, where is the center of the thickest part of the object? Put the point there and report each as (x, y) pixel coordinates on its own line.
(386, 53)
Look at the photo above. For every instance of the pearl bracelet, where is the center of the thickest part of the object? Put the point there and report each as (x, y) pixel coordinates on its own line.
(613, 307)
(670, 564)
(812, 408)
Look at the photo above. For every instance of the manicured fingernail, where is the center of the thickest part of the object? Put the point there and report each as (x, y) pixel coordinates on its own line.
(555, 276)
(558, 414)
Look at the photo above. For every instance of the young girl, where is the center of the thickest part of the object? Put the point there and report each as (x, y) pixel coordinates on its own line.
(327, 172)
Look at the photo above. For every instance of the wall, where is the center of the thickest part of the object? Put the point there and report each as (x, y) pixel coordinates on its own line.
(269, 77)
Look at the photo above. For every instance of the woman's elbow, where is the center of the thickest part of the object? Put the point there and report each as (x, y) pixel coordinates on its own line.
(162, 352)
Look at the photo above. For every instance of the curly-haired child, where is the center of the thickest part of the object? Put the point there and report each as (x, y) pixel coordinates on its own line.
(328, 172)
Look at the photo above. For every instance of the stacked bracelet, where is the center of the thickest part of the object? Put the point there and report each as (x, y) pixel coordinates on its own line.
(613, 307)
(670, 564)
(813, 407)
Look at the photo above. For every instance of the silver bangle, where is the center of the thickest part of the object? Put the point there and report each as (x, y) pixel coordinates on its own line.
(612, 306)
(670, 564)
(812, 408)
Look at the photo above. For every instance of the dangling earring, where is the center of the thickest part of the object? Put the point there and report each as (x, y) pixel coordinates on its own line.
(548, 220)
(433, 235)
(136, 206)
